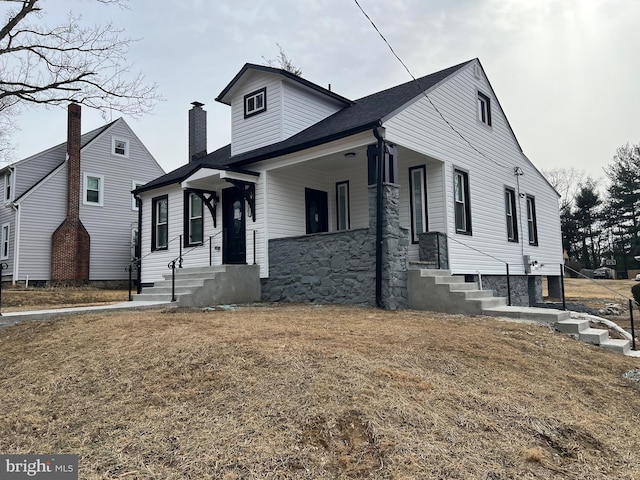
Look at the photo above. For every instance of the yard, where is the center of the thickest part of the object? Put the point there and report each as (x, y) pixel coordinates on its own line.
(297, 391)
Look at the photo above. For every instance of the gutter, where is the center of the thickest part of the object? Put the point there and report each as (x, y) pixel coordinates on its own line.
(379, 217)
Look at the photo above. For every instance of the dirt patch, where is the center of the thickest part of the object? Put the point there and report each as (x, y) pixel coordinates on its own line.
(316, 392)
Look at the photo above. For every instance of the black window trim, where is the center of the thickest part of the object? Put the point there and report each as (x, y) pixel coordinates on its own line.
(187, 219)
(532, 199)
(255, 93)
(487, 100)
(514, 214)
(467, 204)
(154, 209)
(423, 168)
(348, 206)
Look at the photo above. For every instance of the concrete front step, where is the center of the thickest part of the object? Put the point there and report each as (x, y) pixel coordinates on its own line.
(544, 315)
(595, 336)
(617, 345)
(572, 326)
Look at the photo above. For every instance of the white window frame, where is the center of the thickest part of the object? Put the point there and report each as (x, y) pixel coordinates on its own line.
(8, 185)
(484, 109)
(251, 100)
(134, 185)
(114, 142)
(4, 240)
(418, 173)
(343, 222)
(85, 188)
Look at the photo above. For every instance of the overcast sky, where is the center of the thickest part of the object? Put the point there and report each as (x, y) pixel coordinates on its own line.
(566, 72)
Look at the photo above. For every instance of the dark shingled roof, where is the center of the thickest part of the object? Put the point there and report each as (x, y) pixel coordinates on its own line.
(361, 115)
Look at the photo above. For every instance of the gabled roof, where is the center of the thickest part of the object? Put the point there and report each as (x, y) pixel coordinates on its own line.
(59, 157)
(222, 97)
(358, 116)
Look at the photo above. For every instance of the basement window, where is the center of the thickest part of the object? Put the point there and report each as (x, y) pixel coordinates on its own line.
(255, 102)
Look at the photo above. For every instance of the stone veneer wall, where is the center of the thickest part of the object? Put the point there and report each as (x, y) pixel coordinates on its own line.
(525, 290)
(434, 250)
(340, 267)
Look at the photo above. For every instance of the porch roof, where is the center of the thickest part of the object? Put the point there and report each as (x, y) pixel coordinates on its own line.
(361, 115)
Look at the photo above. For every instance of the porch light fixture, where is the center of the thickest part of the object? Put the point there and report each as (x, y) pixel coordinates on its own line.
(350, 154)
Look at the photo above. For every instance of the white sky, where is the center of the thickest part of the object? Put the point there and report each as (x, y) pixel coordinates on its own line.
(566, 72)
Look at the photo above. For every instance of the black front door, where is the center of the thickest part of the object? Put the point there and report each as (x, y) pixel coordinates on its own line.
(317, 210)
(234, 242)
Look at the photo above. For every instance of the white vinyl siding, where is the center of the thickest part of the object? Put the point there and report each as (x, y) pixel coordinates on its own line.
(290, 109)
(420, 128)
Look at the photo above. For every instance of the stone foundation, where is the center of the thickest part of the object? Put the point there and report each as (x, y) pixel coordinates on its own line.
(525, 290)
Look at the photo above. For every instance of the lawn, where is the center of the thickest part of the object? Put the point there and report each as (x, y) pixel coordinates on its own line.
(312, 392)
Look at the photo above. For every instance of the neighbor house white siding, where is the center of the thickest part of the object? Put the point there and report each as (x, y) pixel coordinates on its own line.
(419, 127)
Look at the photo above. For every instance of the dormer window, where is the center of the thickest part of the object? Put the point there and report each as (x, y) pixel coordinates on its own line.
(255, 102)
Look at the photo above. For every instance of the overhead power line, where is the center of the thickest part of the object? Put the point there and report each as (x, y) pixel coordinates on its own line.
(423, 91)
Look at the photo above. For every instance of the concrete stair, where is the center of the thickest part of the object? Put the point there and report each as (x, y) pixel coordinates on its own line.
(581, 330)
(204, 286)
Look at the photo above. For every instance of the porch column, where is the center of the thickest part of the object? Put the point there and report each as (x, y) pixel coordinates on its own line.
(395, 246)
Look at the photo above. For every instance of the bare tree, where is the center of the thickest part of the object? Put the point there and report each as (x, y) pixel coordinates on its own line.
(283, 62)
(71, 62)
(567, 182)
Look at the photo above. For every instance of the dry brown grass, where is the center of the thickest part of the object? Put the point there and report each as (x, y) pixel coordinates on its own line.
(316, 392)
(23, 299)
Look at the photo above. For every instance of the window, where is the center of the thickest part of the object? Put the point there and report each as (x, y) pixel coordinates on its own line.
(418, 201)
(342, 206)
(120, 147)
(484, 109)
(255, 102)
(531, 220)
(510, 210)
(134, 185)
(160, 223)
(4, 242)
(193, 226)
(93, 190)
(8, 185)
(462, 205)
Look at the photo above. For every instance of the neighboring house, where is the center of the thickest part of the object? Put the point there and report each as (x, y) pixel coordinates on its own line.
(296, 191)
(68, 213)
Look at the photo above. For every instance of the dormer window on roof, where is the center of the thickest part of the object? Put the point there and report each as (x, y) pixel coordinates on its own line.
(255, 102)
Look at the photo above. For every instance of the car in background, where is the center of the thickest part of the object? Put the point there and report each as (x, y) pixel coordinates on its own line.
(638, 278)
(602, 272)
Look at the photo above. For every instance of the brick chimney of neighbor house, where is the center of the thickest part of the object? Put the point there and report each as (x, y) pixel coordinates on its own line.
(70, 243)
(197, 131)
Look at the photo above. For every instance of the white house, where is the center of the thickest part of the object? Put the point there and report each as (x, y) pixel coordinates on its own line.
(297, 193)
(88, 179)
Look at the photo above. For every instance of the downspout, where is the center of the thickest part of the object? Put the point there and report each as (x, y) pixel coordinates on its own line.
(139, 244)
(379, 217)
(16, 243)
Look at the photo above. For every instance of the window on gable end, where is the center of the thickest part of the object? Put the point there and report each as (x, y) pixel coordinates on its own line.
(120, 147)
(8, 185)
(255, 102)
(510, 212)
(484, 109)
(93, 191)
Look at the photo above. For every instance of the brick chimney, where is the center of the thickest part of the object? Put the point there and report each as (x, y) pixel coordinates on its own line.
(197, 131)
(70, 243)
